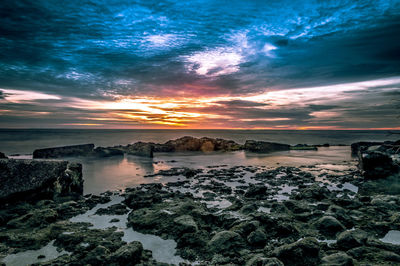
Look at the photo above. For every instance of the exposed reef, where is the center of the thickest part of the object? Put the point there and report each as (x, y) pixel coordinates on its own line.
(218, 215)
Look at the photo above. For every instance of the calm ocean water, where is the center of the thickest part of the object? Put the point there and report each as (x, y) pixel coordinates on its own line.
(24, 141)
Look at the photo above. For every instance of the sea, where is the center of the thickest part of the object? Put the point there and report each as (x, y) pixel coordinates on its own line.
(117, 173)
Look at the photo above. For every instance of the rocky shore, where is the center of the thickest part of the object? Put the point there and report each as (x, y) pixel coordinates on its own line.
(219, 215)
(184, 144)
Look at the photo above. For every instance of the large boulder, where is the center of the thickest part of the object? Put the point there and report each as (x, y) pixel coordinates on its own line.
(65, 151)
(25, 179)
(264, 147)
(339, 258)
(362, 146)
(225, 242)
(204, 144)
(2, 156)
(142, 149)
(329, 226)
(376, 164)
(351, 239)
(303, 252)
(129, 254)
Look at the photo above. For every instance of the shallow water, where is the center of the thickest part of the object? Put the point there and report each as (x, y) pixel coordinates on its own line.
(163, 250)
(118, 173)
(392, 237)
(31, 256)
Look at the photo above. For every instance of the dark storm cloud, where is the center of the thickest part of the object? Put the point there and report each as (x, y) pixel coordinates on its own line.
(98, 50)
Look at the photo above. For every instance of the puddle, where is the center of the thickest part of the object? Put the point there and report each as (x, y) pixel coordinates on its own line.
(284, 193)
(31, 256)
(219, 203)
(163, 250)
(392, 237)
(264, 209)
(328, 241)
(347, 185)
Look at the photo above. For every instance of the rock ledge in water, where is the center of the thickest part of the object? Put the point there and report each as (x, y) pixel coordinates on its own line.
(25, 179)
(65, 151)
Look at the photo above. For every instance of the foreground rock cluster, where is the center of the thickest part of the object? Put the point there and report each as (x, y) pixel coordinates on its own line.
(221, 216)
(378, 159)
(218, 215)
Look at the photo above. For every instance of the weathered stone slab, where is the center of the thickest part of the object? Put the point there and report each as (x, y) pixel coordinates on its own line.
(262, 146)
(65, 151)
(25, 179)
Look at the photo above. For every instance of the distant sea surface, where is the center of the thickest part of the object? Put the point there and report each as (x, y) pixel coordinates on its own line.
(24, 141)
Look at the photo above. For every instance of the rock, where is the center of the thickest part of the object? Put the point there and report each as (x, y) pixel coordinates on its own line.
(3, 156)
(374, 256)
(96, 256)
(140, 149)
(257, 238)
(314, 192)
(351, 239)
(204, 144)
(129, 254)
(65, 151)
(376, 164)
(261, 259)
(107, 152)
(262, 146)
(185, 224)
(361, 146)
(116, 209)
(303, 252)
(304, 147)
(246, 227)
(225, 242)
(33, 219)
(26, 179)
(256, 191)
(329, 225)
(339, 258)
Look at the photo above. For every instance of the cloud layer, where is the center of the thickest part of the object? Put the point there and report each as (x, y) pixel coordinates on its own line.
(200, 64)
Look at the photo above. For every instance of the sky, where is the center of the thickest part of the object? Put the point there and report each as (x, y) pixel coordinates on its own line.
(200, 64)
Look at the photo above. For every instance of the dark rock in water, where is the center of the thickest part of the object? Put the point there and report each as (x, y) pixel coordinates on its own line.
(339, 258)
(107, 152)
(256, 191)
(129, 254)
(351, 239)
(3, 156)
(303, 252)
(257, 238)
(142, 149)
(24, 179)
(33, 219)
(362, 146)
(225, 242)
(116, 209)
(262, 146)
(205, 144)
(304, 147)
(260, 259)
(65, 151)
(376, 164)
(185, 224)
(329, 225)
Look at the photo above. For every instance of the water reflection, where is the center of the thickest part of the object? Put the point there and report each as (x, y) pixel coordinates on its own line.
(117, 173)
